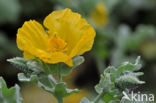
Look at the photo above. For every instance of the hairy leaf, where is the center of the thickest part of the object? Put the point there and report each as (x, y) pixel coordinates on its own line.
(11, 95)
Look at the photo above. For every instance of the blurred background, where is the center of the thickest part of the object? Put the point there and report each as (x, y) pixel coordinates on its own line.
(125, 29)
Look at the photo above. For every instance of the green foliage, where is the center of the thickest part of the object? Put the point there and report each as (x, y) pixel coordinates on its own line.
(122, 77)
(61, 91)
(45, 82)
(116, 80)
(28, 66)
(11, 95)
(110, 87)
(36, 65)
(41, 74)
(48, 83)
(105, 84)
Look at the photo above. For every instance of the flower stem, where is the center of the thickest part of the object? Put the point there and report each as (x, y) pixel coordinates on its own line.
(99, 97)
(60, 100)
(59, 76)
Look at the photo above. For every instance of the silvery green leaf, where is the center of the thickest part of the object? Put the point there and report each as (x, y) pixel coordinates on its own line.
(129, 67)
(34, 66)
(110, 98)
(114, 80)
(11, 95)
(20, 63)
(22, 77)
(26, 65)
(61, 90)
(78, 60)
(46, 82)
(105, 84)
(128, 81)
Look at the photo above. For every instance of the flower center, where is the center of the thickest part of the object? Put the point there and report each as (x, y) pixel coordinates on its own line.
(56, 44)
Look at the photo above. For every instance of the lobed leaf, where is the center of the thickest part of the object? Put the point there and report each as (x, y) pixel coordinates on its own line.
(11, 95)
(48, 83)
(115, 80)
(26, 65)
(61, 91)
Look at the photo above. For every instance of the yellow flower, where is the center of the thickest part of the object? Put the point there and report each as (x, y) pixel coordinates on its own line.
(99, 15)
(68, 35)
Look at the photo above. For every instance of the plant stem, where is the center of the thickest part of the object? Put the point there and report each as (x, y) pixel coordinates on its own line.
(59, 76)
(99, 97)
(60, 100)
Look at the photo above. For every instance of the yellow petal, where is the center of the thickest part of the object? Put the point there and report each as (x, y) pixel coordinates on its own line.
(85, 43)
(33, 40)
(68, 25)
(32, 34)
(56, 58)
(53, 58)
(28, 55)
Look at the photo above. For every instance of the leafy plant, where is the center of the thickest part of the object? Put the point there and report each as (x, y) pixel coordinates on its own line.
(116, 80)
(11, 95)
(42, 73)
(112, 82)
